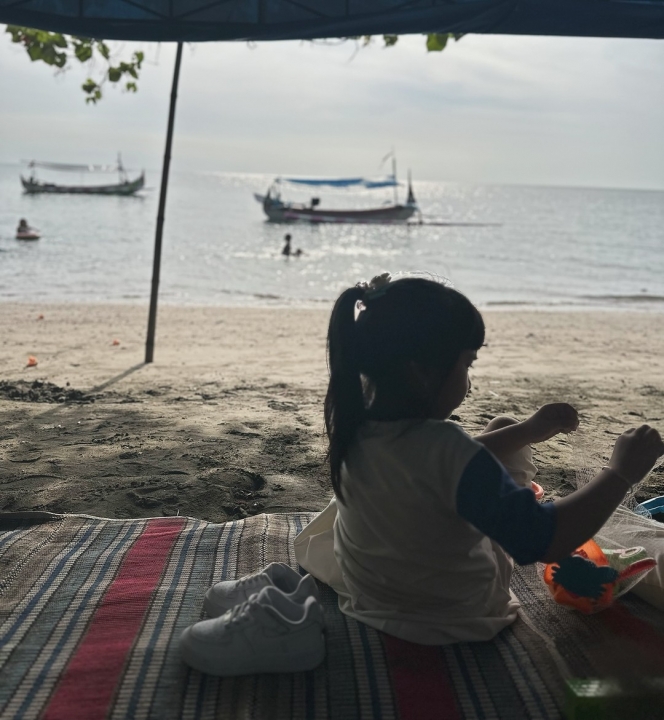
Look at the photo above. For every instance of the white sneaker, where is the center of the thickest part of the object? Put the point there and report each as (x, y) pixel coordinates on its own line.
(268, 633)
(227, 594)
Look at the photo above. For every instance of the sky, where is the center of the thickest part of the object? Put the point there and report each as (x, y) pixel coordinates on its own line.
(489, 109)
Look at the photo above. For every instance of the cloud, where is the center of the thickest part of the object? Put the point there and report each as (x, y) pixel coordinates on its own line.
(487, 109)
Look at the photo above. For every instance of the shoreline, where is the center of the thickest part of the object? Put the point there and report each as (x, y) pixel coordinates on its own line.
(227, 421)
(650, 304)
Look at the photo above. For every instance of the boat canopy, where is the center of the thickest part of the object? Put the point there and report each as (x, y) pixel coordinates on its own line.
(70, 167)
(389, 181)
(204, 20)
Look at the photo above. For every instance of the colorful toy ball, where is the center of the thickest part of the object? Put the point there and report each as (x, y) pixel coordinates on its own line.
(590, 579)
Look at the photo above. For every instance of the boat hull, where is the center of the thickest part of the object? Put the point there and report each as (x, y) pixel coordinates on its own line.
(284, 213)
(34, 187)
(31, 235)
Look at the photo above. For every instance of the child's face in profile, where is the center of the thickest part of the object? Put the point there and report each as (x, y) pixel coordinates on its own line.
(456, 385)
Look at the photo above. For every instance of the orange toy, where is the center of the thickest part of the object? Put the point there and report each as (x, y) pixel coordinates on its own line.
(32, 361)
(591, 578)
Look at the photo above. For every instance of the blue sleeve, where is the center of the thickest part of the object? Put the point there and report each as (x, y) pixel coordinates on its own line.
(489, 499)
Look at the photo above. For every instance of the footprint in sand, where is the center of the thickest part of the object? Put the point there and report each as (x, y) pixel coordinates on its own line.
(24, 455)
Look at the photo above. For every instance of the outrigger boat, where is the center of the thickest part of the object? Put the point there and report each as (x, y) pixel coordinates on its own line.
(125, 186)
(278, 210)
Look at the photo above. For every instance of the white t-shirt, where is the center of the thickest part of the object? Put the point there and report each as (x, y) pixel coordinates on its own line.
(411, 565)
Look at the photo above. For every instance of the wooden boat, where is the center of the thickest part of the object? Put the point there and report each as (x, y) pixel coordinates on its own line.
(33, 186)
(278, 210)
(126, 187)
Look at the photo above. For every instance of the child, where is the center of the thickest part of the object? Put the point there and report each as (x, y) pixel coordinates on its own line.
(420, 538)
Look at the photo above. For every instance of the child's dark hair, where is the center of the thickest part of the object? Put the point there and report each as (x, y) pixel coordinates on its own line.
(411, 322)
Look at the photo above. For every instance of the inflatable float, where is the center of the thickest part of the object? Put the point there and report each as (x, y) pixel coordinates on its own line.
(29, 234)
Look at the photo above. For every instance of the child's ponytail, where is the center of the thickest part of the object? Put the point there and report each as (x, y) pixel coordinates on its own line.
(344, 402)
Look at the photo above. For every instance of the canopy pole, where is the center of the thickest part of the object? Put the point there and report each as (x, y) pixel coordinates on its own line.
(152, 315)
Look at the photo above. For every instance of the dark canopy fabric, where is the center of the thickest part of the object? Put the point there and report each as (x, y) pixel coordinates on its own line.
(203, 20)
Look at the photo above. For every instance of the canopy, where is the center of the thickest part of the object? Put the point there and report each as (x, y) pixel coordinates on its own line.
(390, 181)
(69, 167)
(202, 20)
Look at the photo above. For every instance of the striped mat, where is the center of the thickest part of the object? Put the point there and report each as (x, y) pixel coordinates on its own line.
(91, 611)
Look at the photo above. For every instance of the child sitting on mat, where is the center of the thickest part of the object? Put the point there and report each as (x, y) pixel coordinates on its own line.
(419, 539)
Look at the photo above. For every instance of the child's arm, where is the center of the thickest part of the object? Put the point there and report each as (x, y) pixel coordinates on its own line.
(489, 499)
(548, 421)
(580, 515)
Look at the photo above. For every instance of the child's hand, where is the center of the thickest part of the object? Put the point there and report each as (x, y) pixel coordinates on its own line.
(635, 453)
(550, 420)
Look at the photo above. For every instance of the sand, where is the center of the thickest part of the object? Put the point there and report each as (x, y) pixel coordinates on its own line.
(227, 422)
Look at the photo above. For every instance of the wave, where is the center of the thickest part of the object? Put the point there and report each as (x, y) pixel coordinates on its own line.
(581, 302)
(636, 298)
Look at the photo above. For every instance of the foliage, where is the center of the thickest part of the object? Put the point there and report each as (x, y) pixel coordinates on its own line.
(60, 51)
(435, 41)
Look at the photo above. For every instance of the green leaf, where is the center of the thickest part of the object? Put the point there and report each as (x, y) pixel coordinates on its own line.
(89, 86)
(436, 42)
(15, 32)
(59, 40)
(60, 60)
(114, 74)
(83, 52)
(35, 52)
(94, 98)
(48, 54)
(390, 40)
(104, 50)
(131, 87)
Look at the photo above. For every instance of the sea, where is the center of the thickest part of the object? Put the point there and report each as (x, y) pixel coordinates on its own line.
(505, 246)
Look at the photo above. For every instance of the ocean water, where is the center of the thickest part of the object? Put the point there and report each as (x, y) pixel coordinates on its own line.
(523, 246)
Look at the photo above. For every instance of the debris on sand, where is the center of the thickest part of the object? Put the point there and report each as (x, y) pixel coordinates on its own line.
(40, 391)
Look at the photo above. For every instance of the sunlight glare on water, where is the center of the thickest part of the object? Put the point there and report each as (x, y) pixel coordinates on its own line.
(539, 246)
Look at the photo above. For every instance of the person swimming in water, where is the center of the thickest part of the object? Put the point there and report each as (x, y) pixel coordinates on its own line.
(287, 250)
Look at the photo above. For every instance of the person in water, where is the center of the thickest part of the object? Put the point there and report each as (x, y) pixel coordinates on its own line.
(23, 226)
(427, 521)
(288, 250)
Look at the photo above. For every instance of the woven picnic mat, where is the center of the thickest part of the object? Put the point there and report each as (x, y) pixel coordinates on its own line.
(91, 611)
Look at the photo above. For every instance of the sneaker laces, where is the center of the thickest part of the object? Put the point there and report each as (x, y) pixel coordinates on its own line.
(242, 612)
(248, 580)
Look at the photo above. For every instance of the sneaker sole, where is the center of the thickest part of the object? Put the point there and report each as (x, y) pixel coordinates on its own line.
(278, 663)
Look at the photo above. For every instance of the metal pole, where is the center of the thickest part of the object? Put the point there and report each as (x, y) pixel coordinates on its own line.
(152, 315)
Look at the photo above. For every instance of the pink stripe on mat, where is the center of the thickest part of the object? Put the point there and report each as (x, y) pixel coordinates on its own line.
(647, 643)
(421, 684)
(87, 685)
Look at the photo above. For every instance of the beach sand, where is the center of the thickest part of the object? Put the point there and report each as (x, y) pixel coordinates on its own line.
(228, 421)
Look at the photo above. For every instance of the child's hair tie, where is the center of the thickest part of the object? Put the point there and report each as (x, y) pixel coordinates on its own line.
(376, 287)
